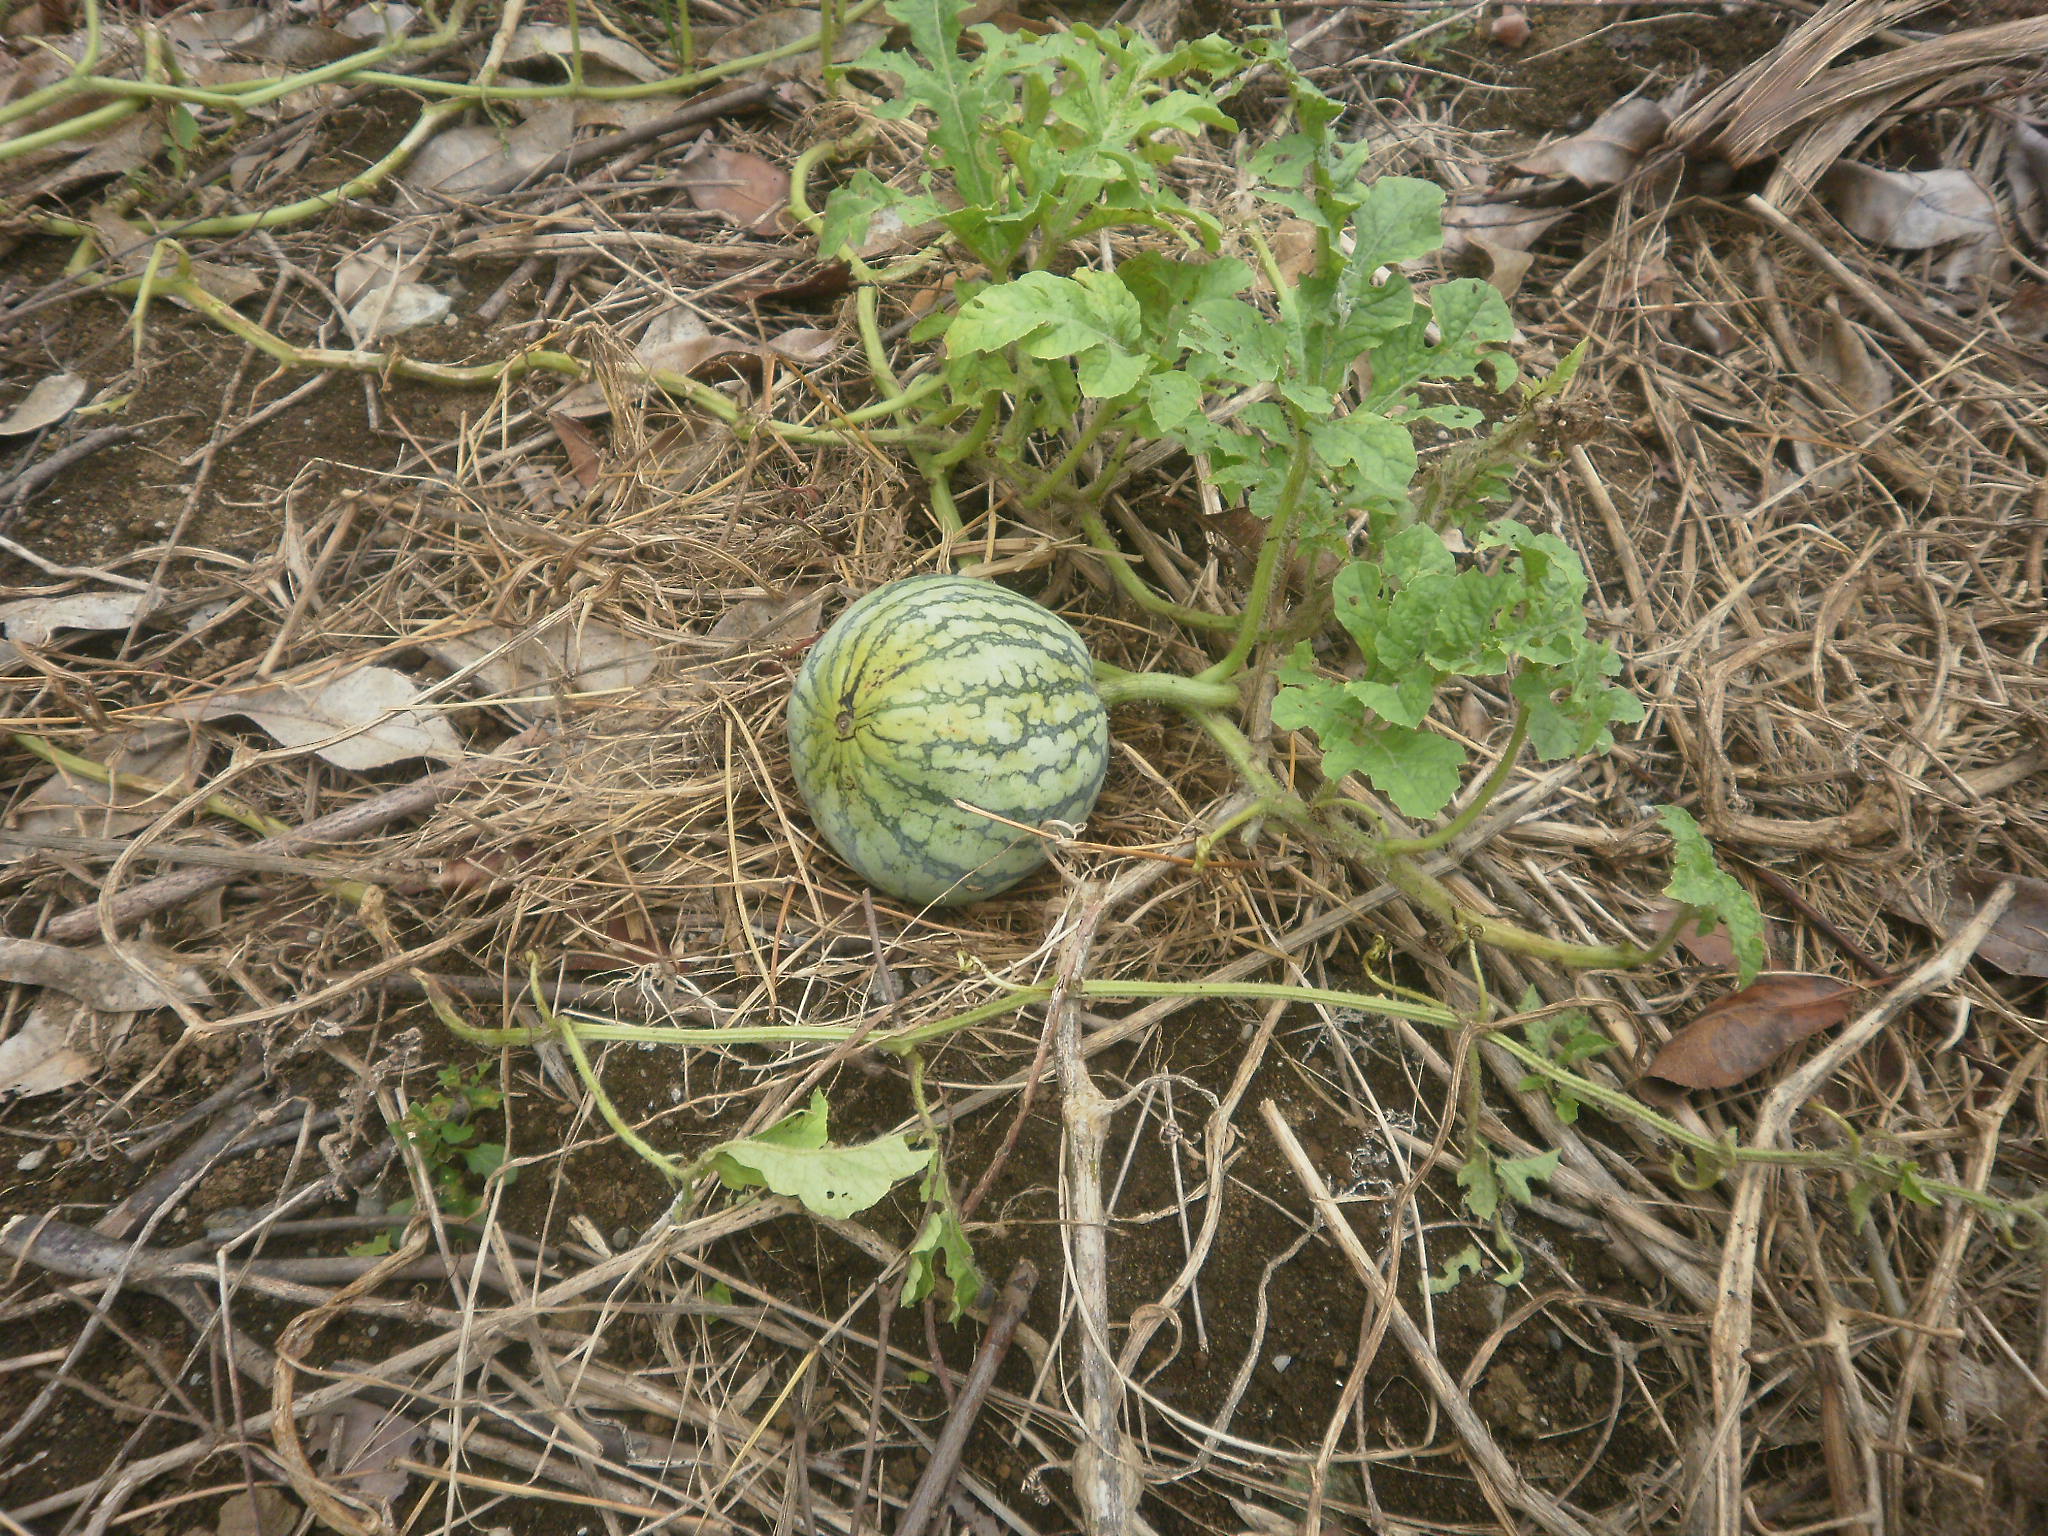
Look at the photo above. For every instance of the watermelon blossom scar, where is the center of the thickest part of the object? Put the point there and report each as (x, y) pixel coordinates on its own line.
(934, 691)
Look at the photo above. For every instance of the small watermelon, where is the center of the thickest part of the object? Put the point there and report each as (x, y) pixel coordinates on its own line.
(936, 689)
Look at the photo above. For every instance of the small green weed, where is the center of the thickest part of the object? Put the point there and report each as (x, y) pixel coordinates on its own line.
(443, 1127)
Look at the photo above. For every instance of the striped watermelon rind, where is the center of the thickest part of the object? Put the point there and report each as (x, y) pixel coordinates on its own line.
(942, 688)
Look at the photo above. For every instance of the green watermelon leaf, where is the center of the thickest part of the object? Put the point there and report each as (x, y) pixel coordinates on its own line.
(794, 1158)
(1701, 883)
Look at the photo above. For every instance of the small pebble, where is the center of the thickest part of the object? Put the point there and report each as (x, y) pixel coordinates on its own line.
(1510, 28)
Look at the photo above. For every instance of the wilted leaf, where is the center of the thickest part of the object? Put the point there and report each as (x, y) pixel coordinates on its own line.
(796, 613)
(787, 28)
(568, 657)
(1737, 1037)
(400, 307)
(36, 620)
(581, 447)
(359, 719)
(1606, 151)
(60, 1043)
(1503, 232)
(266, 1512)
(101, 979)
(739, 187)
(477, 161)
(1909, 210)
(542, 40)
(2018, 942)
(360, 1443)
(50, 401)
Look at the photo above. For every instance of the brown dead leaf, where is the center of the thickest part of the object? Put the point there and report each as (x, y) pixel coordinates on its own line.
(1847, 359)
(2018, 941)
(581, 448)
(788, 28)
(1503, 233)
(1909, 210)
(102, 979)
(359, 718)
(739, 187)
(823, 280)
(2026, 172)
(1607, 150)
(1736, 1038)
(1715, 948)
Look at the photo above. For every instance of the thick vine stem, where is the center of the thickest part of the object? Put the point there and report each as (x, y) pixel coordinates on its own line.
(1451, 830)
(1266, 571)
(1120, 687)
(1425, 890)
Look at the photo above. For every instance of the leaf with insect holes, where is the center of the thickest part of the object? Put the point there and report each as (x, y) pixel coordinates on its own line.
(1732, 1040)
(1699, 882)
(794, 1158)
(942, 1242)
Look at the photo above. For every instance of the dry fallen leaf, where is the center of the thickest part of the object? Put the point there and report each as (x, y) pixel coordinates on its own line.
(1503, 232)
(739, 187)
(360, 1444)
(1606, 151)
(532, 673)
(379, 285)
(101, 979)
(784, 29)
(549, 40)
(1909, 210)
(36, 620)
(359, 719)
(476, 161)
(60, 1043)
(50, 401)
(1737, 1037)
(2018, 941)
(1847, 359)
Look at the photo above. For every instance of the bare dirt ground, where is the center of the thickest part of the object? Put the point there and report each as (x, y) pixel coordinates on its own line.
(290, 1242)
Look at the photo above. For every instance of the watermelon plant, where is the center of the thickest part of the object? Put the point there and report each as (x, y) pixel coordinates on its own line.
(1106, 323)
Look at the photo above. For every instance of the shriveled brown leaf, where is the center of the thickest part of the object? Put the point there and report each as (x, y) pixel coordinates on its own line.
(1737, 1037)
(38, 620)
(2018, 941)
(822, 280)
(1608, 150)
(1909, 210)
(527, 672)
(741, 188)
(1847, 359)
(581, 448)
(70, 804)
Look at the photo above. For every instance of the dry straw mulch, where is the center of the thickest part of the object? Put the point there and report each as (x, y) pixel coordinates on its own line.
(1808, 480)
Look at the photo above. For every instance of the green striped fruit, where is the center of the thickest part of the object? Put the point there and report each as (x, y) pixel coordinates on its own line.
(939, 689)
